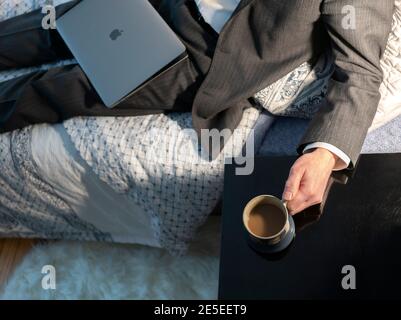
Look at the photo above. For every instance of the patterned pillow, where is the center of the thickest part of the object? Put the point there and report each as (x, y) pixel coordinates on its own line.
(300, 93)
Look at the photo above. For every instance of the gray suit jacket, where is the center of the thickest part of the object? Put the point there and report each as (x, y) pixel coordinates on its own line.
(266, 39)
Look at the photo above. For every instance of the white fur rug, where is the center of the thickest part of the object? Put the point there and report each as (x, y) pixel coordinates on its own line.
(105, 271)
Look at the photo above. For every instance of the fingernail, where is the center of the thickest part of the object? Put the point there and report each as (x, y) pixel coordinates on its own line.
(287, 195)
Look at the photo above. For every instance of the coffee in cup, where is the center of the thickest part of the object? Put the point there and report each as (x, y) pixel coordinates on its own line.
(268, 223)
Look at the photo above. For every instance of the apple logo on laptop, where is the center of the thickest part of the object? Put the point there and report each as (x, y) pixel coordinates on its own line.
(115, 34)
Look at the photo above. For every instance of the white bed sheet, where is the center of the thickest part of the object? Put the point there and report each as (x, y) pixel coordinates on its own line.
(60, 165)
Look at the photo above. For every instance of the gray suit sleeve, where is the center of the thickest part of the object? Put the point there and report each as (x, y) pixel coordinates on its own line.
(353, 95)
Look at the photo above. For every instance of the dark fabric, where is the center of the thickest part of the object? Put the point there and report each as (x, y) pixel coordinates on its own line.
(65, 92)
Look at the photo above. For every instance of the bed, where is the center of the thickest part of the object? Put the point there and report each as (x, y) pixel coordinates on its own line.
(143, 179)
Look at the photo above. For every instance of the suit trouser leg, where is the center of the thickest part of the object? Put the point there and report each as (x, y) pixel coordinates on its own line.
(24, 43)
(65, 92)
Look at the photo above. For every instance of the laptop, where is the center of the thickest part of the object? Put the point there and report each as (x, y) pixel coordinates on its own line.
(120, 45)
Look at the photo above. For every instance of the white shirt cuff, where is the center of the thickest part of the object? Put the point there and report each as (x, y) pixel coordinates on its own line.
(343, 160)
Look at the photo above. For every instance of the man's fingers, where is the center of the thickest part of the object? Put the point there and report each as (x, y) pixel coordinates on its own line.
(301, 208)
(293, 182)
(301, 202)
(307, 180)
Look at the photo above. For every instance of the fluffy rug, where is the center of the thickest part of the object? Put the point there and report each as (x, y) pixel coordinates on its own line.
(103, 271)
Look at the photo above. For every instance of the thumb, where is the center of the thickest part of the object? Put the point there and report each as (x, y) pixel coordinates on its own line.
(293, 183)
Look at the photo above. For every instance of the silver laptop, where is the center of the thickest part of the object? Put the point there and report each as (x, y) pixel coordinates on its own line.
(120, 45)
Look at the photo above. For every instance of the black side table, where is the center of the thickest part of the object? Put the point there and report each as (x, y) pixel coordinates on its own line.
(359, 230)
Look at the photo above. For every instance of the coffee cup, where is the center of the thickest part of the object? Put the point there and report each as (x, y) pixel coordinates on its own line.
(269, 226)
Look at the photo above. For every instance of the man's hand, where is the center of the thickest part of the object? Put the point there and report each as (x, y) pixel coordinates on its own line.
(308, 180)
